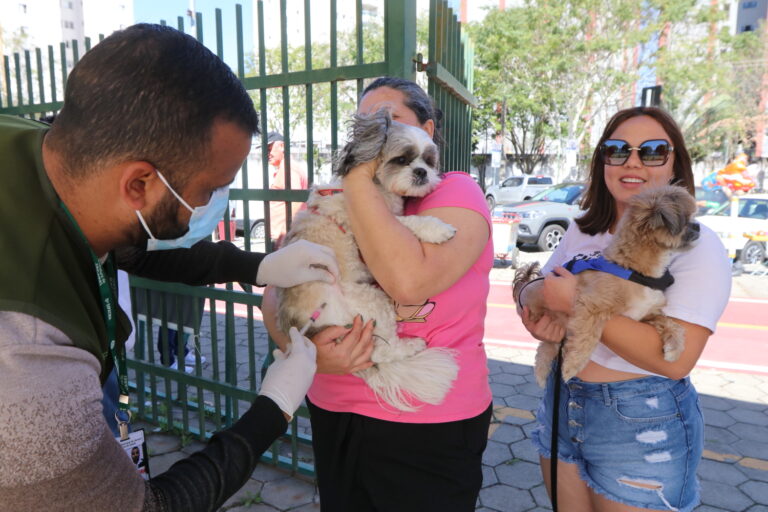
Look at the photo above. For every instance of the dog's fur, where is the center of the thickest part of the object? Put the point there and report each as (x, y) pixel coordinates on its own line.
(657, 224)
(405, 369)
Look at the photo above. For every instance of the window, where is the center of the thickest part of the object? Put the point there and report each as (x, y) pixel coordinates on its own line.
(513, 182)
(747, 28)
(748, 5)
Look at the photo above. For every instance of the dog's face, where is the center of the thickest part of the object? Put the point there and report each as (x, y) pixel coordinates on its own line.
(662, 216)
(408, 156)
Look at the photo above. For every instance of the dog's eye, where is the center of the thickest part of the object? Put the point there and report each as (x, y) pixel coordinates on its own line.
(429, 161)
(401, 160)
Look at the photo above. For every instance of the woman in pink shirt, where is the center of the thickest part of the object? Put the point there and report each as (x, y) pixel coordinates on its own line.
(369, 456)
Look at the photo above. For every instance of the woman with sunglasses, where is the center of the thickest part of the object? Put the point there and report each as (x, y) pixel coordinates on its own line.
(630, 430)
(369, 456)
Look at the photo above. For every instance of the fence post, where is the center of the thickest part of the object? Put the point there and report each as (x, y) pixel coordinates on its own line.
(400, 38)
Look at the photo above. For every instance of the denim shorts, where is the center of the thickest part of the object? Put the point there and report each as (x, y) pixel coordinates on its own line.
(646, 431)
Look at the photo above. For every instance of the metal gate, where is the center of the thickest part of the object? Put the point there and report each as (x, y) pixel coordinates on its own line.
(322, 81)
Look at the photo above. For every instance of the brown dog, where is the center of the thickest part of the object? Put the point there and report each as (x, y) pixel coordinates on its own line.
(657, 224)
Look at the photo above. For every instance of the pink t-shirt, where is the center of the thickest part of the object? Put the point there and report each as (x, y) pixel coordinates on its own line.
(453, 318)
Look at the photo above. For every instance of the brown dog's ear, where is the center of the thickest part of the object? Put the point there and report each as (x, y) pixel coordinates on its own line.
(367, 136)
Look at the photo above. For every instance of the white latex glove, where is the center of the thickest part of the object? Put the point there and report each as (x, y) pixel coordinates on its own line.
(296, 263)
(289, 377)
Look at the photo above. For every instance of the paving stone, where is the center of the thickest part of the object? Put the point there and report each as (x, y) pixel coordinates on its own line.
(508, 434)
(750, 432)
(753, 473)
(531, 389)
(288, 493)
(508, 378)
(159, 443)
(758, 491)
(496, 453)
(159, 464)
(518, 473)
(718, 419)
(310, 507)
(751, 417)
(725, 496)
(722, 472)
(517, 420)
(707, 508)
(525, 450)
(501, 390)
(267, 473)
(541, 497)
(716, 403)
(758, 508)
(489, 476)
(258, 507)
(251, 491)
(528, 403)
(754, 449)
(518, 369)
(506, 499)
(194, 447)
(719, 435)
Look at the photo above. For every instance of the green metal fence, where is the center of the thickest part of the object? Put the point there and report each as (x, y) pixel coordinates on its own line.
(319, 79)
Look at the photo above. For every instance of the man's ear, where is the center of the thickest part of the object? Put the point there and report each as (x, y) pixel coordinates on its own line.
(429, 127)
(138, 183)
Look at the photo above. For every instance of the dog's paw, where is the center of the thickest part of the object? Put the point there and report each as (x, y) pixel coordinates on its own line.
(428, 229)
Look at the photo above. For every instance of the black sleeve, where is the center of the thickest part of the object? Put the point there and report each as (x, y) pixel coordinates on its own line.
(206, 479)
(204, 263)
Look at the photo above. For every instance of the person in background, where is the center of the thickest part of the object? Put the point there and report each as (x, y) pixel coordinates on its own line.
(278, 181)
(153, 129)
(369, 457)
(630, 432)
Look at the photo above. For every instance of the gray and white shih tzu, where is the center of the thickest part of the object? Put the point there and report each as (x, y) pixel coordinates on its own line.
(405, 370)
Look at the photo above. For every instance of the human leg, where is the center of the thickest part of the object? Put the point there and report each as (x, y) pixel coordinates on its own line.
(571, 489)
(436, 467)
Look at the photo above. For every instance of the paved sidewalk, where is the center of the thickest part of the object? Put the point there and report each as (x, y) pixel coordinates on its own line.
(734, 472)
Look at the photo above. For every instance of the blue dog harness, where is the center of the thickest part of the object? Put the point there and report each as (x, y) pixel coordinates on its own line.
(601, 264)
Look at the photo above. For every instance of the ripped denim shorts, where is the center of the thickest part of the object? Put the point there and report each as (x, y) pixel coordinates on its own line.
(636, 442)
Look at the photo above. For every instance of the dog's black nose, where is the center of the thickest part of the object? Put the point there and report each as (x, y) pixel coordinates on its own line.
(692, 232)
(420, 173)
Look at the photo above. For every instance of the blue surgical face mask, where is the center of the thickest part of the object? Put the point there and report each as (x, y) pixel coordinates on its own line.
(201, 224)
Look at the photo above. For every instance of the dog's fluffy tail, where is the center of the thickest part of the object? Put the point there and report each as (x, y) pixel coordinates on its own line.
(524, 275)
(425, 376)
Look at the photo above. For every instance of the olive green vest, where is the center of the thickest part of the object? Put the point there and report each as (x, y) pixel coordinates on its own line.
(46, 270)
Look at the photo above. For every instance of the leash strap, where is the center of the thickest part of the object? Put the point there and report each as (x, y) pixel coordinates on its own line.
(555, 424)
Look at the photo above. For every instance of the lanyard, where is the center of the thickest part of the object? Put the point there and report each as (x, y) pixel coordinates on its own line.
(107, 282)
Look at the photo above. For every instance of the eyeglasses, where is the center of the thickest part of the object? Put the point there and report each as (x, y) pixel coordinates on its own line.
(652, 153)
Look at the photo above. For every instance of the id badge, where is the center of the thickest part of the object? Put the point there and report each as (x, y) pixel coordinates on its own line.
(136, 448)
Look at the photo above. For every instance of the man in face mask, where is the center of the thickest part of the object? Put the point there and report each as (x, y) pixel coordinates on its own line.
(153, 128)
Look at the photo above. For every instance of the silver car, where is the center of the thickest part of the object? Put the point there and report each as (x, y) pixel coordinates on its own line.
(516, 188)
(546, 216)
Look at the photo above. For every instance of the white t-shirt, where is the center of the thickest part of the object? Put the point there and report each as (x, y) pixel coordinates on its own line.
(698, 296)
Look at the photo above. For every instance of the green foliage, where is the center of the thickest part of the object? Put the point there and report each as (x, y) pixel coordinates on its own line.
(548, 71)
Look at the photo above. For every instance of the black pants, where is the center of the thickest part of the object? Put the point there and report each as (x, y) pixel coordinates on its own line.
(364, 464)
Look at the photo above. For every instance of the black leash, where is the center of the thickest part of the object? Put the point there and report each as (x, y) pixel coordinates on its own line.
(555, 424)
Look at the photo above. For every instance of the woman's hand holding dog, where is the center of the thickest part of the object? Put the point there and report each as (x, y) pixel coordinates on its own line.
(559, 290)
(546, 329)
(351, 354)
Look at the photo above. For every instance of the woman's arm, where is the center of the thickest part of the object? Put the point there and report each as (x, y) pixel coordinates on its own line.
(640, 344)
(351, 354)
(408, 270)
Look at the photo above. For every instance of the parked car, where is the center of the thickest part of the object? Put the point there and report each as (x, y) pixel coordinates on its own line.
(546, 216)
(516, 188)
(742, 215)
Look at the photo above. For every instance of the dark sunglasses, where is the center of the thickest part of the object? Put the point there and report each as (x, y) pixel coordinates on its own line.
(651, 152)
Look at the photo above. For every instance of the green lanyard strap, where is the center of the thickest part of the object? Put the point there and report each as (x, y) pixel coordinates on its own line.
(107, 283)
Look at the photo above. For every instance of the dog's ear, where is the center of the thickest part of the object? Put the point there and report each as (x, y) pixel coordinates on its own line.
(367, 136)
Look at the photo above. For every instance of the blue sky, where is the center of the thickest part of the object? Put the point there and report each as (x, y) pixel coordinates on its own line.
(152, 11)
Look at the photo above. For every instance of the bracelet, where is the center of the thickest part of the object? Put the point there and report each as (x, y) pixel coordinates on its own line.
(520, 296)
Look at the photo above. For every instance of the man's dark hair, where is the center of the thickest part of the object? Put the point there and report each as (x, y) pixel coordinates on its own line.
(150, 93)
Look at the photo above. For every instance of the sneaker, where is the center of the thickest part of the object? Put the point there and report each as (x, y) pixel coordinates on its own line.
(187, 369)
(191, 360)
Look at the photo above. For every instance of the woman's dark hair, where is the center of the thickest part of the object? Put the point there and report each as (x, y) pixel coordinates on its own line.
(151, 93)
(599, 204)
(415, 99)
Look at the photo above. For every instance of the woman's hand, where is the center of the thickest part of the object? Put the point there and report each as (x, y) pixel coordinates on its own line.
(545, 329)
(559, 290)
(351, 354)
